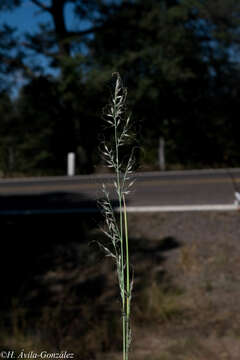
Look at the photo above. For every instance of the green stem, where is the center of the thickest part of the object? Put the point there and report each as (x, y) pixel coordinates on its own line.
(119, 192)
(127, 278)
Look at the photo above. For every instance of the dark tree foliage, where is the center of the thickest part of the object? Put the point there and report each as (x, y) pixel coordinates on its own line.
(41, 125)
(8, 134)
(176, 55)
(10, 57)
(179, 58)
(9, 4)
(30, 130)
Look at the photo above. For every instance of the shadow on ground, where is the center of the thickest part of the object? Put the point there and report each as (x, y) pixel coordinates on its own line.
(58, 289)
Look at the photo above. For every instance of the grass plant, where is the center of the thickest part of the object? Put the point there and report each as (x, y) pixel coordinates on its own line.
(116, 228)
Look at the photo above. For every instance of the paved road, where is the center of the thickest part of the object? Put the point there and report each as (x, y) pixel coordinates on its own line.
(195, 187)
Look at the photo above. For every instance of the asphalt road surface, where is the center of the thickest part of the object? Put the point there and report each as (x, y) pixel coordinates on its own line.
(172, 188)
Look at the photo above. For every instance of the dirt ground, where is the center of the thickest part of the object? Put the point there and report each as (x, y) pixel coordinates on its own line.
(201, 259)
(186, 294)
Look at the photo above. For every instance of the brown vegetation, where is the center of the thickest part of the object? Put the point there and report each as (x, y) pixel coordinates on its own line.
(185, 302)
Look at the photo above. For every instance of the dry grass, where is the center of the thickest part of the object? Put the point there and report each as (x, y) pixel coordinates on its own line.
(185, 301)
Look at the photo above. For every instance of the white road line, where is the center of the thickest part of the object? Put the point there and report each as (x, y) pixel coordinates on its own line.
(130, 209)
(181, 208)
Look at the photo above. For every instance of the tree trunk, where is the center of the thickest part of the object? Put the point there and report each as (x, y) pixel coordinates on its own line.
(57, 11)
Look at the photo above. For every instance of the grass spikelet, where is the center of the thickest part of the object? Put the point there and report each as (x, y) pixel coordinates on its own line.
(116, 224)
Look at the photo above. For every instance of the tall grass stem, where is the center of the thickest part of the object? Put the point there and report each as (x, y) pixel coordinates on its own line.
(117, 227)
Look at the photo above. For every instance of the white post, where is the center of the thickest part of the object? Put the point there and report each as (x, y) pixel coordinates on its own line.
(71, 164)
(161, 153)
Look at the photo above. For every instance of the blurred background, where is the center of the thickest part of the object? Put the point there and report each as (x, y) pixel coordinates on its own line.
(180, 61)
